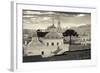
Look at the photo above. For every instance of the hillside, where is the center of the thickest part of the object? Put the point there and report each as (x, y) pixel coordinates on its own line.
(83, 30)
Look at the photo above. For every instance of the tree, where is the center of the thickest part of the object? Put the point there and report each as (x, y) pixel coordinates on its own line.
(70, 33)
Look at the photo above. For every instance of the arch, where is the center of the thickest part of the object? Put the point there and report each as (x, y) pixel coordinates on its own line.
(57, 43)
(42, 52)
(52, 43)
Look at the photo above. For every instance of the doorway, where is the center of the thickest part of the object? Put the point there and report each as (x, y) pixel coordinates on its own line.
(42, 52)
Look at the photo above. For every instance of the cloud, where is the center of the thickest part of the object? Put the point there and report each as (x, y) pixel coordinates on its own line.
(43, 19)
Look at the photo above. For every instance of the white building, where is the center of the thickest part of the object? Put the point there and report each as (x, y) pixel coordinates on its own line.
(85, 40)
(51, 44)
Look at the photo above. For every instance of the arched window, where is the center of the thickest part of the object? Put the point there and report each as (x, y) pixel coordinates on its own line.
(57, 43)
(52, 44)
(47, 44)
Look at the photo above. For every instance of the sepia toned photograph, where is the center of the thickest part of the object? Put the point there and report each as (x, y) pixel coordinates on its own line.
(55, 36)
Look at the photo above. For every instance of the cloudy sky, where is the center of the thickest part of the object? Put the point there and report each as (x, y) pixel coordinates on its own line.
(42, 19)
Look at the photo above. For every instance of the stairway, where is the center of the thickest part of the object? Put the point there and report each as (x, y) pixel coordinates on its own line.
(57, 51)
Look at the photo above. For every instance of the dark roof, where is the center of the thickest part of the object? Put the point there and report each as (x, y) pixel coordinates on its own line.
(41, 34)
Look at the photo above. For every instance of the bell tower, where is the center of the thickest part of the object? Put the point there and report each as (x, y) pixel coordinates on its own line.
(59, 29)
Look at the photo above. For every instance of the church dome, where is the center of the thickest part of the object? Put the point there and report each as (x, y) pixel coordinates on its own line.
(53, 35)
(51, 28)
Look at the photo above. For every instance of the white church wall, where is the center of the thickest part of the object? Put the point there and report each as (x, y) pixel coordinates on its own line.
(55, 41)
(37, 50)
